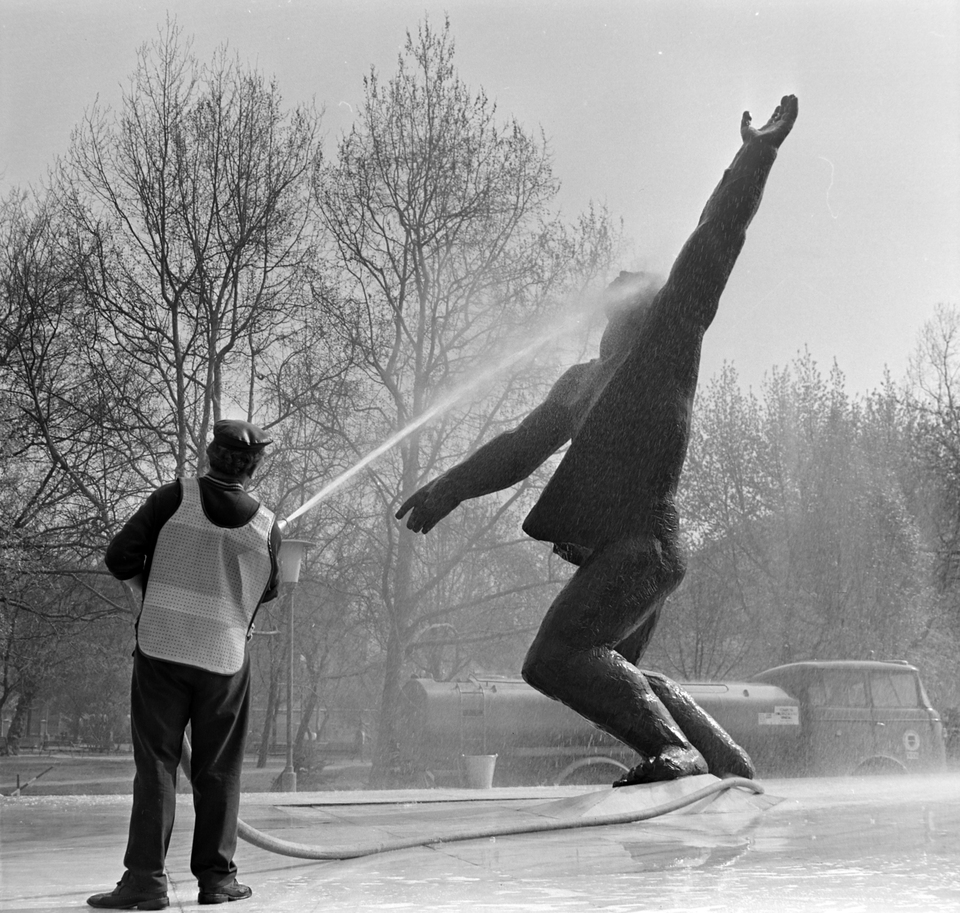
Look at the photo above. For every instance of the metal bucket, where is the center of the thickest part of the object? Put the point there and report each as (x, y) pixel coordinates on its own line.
(478, 770)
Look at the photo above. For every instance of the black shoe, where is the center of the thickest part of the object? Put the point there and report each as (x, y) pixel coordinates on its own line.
(235, 891)
(127, 897)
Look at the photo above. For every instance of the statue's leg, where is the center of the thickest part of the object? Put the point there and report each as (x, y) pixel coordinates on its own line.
(573, 657)
(723, 755)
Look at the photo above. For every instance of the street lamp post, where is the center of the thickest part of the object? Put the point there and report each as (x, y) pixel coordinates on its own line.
(291, 557)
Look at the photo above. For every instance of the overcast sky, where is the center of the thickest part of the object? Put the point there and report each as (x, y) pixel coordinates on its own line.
(858, 237)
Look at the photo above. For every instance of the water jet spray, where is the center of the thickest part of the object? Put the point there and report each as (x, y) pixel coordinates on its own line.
(460, 393)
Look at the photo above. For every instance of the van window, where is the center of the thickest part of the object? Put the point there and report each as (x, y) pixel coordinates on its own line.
(839, 689)
(893, 689)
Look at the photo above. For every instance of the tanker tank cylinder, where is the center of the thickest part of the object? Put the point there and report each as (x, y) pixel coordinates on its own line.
(536, 738)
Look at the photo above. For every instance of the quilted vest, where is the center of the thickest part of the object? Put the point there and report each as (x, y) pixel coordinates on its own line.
(205, 584)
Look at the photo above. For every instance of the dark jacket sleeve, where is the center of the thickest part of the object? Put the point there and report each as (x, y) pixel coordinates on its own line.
(130, 552)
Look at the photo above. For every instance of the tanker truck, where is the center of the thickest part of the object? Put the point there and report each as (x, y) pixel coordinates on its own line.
(828, 718)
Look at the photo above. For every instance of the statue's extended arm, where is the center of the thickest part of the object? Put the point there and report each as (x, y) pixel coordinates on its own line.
(503, 461)
(703, 266)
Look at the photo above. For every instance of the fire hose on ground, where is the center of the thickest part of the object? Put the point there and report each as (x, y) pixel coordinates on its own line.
(305, 851)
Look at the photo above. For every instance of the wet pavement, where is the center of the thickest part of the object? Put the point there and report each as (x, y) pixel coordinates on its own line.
(850, 844)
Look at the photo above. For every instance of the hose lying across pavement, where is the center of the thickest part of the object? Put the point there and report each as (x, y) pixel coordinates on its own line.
(305, 851)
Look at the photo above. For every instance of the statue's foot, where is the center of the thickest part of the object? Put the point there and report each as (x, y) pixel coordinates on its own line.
(669, 764)
(724, 757)
(735, 763)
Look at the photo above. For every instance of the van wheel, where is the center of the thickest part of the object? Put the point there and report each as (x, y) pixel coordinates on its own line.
(587, 771)
(879, 767)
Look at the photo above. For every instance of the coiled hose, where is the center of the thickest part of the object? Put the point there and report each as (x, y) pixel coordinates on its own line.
(305, 851)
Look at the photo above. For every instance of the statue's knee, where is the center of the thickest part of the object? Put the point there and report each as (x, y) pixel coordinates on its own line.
(673, 565)
(536, 670)
(548, 667)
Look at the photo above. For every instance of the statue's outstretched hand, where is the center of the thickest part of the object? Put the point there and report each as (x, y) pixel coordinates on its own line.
(775, 130)
(429, 505)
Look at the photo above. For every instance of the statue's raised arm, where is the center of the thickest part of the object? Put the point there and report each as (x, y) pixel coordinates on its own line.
(703, 266)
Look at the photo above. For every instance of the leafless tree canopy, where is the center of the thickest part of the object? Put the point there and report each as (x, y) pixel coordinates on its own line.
(194, 255)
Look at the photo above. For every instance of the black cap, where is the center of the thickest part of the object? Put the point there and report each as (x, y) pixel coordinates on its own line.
(239, 435)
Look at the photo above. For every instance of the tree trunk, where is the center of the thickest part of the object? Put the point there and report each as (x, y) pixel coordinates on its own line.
(386, 755)
(386, 761)
(15, 732)
(304, 755)
(273, 704)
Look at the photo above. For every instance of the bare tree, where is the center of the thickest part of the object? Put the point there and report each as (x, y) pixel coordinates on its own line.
(62, 456)
(169, 274)
(805, 536)
(61, 419)
(193, 209)
(447, 254)
(935, 381)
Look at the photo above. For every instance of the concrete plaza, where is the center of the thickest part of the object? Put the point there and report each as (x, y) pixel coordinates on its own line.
(845, 844)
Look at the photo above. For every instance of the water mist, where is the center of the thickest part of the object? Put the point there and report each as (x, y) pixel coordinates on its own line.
(545, 335)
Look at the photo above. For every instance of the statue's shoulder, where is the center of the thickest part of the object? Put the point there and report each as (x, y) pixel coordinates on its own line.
(576, 380)
(576, 388)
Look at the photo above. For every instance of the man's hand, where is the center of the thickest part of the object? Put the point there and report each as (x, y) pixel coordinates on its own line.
(775, 130)
(429, 505)
(134, 590)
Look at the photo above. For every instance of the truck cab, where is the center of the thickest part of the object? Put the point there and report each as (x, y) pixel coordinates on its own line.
(859, 717)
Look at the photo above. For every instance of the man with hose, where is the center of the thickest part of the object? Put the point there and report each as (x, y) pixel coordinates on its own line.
(202, 554)
(610, 505)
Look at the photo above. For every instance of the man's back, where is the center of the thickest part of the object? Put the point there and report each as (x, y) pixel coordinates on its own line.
(225, 504)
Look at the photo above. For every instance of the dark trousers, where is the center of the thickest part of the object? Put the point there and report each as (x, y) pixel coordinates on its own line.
(164, 698)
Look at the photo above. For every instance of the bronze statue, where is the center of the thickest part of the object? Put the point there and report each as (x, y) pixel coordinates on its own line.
(610, 505)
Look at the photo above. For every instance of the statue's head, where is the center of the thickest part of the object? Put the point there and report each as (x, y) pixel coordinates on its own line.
(626, 302)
